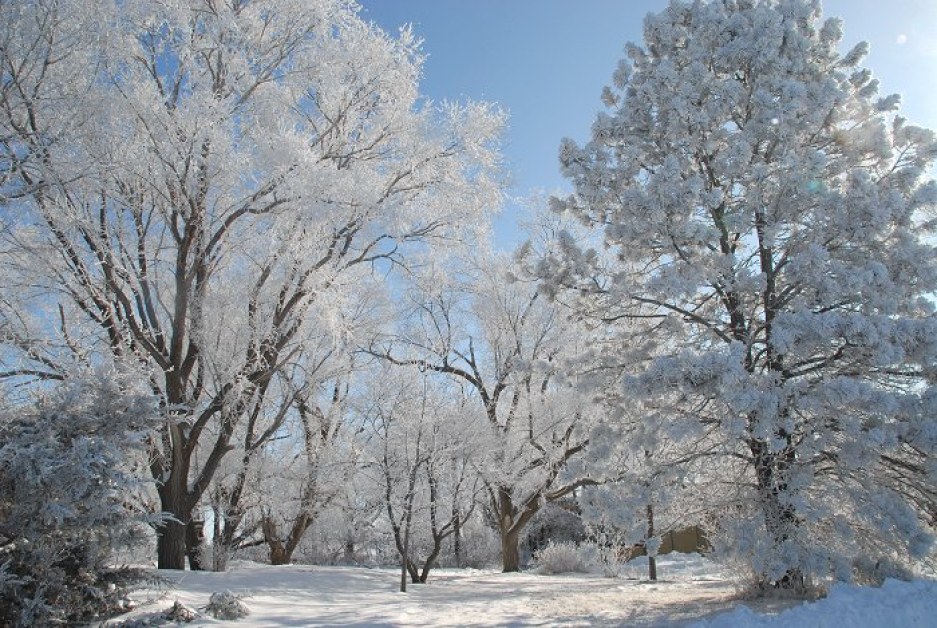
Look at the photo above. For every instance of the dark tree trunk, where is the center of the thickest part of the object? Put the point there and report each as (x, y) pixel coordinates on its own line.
(457, 537)
(512, 521)
(194, 542)
(430, 561)
(275, 548)
(281, 553)
(171, 535)
(510, 552)
(651, 559)
(414, 572)
(170, 546)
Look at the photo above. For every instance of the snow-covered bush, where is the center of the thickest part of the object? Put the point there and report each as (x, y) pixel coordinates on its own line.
(226, 605)
(180, 613)
(558, 558)
(480, 545)
(555, 523)
(67, 481)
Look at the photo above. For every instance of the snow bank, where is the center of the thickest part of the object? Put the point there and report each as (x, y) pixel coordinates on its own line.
(895, 603)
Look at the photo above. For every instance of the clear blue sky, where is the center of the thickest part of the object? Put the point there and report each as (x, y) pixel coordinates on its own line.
(546, 61)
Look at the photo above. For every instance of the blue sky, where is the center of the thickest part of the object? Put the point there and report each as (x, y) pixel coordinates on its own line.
(546, 61)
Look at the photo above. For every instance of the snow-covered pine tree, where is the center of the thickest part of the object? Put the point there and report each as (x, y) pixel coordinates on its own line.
(71, 488)
(767, 220)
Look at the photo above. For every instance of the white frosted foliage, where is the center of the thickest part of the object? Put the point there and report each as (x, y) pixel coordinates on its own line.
(205, 192)
(768, 274)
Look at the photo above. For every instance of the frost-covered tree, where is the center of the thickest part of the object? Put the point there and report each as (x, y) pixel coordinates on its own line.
(283, 473)
(70, 466)
(769, 272)
(292, 455)
(181, 181)
(419, 434)
(305, 478)
(509, 346)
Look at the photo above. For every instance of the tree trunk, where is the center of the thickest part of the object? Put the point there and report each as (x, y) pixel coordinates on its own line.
(651, 559)
(409, 569)
(282, 553)
(170, 546)
(510, 551)
(226, 527)
(277, 552)
(512, 522)
(219, 555)
(194, 543)
(404, 557)
(171, 535)
(223, 545)
(430, 561)
(275, 548)
(457, 538)
(780, 519)
(279, 555)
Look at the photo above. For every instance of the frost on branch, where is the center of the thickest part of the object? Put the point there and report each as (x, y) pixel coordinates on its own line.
(199, 185)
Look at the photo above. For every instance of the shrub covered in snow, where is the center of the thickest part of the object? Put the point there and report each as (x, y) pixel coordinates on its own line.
(226, 605)
(65, 487)
(558, 558)
(180, 613)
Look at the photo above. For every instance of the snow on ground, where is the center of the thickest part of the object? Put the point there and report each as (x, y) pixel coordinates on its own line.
(691, 590)
(894, 605)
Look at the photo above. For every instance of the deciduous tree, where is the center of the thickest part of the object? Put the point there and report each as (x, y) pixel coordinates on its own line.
(509, 346)
(182, 181)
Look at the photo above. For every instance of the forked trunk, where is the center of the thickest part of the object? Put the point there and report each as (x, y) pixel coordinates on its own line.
(275, 548)
(281, 553)
(512, 523)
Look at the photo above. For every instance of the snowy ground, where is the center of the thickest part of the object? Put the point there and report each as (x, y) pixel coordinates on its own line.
(691, 592)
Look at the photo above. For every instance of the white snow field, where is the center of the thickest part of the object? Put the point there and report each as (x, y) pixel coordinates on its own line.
(691, 592)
